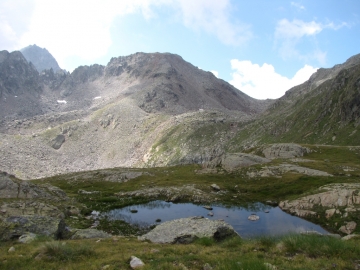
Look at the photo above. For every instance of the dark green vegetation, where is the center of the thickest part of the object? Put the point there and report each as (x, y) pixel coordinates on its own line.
(327, 114)
(287, 252)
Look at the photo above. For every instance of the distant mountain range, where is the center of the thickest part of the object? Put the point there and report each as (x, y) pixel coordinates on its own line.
(155, 109)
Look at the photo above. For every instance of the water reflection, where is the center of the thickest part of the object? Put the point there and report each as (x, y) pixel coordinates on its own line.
(275, 222)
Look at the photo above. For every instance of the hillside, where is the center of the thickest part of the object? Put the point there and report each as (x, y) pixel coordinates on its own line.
(101, 117)
(323, 110)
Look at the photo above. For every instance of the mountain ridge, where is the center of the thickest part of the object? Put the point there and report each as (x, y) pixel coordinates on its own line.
(155, 109)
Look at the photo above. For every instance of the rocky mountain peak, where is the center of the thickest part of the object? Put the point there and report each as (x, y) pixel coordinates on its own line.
(40, 58)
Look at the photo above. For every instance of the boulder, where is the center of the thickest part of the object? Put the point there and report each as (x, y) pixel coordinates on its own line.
(136, 263)
(186, 230)
(57, 142)
(285, 150)
(15, 226)
(215, 187)
(348, 227)
(27, 238)
(89, 234)
(253, 217)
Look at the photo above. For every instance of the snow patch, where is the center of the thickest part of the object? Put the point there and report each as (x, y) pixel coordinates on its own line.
(61, 101)
(97, 97)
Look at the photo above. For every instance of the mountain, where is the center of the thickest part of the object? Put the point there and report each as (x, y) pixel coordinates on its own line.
(113, 115)
(20, 86)
(323, 110)
(155, 109)
(40, 58)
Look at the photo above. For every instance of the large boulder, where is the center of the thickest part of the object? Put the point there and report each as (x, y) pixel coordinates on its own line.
(186, 230)
(285, 150)
(15, 226)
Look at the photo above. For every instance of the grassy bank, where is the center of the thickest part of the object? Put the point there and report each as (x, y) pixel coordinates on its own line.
(287, 252)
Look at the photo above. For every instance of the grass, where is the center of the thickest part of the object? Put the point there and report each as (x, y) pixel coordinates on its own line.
(240, 189)
(287, 252)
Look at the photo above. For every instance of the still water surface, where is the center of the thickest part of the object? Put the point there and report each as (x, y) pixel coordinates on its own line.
(275, 222)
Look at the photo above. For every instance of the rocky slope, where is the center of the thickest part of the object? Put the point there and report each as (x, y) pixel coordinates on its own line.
(101, 117)
(40, 58)
(323, 110)
(156, 109)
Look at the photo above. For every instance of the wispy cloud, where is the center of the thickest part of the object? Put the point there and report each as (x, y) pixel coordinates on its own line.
(298, 5)
(213, 17)
(263, 81)
(288, 34)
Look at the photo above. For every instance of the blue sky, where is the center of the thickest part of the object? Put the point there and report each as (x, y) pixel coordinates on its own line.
(263, 47)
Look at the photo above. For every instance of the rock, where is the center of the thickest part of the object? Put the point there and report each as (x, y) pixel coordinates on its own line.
(89, 234)
(27, 238)
(350, 236)
(72, 210)
(215, 187)
(334, 235)
(133, 210)
(12, 187)
(12, 249)
(207, 267)
(57, 142)
(253, 217)
(186, 230)
(348, 228)
(210, 214)
(208, 207)
(15, 226)
(329, 213)
(234, 161)
(136, 263)
(270, 266)
(285, 150)
(330, 196)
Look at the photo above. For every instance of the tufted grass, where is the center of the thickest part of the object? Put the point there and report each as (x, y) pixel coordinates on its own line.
(286, 252)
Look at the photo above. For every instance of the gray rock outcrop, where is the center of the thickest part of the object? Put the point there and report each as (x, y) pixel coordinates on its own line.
(186, 230)
(237, 160)
(15, 226)
(89, 234)
(335, 199)
(285, 150)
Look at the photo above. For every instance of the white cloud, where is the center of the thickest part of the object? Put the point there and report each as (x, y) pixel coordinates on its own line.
(289, 34)
(263, 82)
(216, 73)
(82, 28)
(298, 5)
(15, 16)
(213, 17)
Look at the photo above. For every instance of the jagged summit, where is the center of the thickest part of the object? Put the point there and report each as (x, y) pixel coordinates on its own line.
(40, 58)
